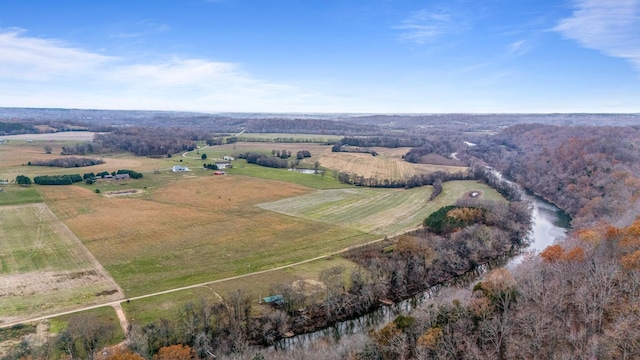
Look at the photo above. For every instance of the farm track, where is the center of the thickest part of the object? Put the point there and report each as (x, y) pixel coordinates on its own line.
(117, 303)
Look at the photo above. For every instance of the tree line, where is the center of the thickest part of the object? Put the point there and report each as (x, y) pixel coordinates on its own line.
(434, 178)
(67, 162)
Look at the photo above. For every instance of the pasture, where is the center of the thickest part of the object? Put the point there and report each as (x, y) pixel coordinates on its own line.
(193, 230)
(387, 165)
(384, 212)
(43, 267)
(17, 195)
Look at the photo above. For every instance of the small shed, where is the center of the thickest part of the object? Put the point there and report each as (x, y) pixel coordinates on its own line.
(228, 158)
(121, 177)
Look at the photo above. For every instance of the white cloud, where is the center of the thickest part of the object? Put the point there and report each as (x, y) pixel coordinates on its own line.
(424, 26)
(609, 26)
(37, 72)
(29, 58)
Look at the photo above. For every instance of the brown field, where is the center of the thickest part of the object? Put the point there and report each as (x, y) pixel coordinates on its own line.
(387, 165)
(195, 230)
(15, 155)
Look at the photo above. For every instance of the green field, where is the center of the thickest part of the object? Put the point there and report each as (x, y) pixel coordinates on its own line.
(376, 211)
(43, 267)
(17, 195)
(315, 181)
(31, 241)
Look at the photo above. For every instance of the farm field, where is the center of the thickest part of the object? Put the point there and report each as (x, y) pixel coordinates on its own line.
(387, 165)
(168, 230)
(210, 223)
(17, 195)
(44, 267)
(15, 155)
(378, 211)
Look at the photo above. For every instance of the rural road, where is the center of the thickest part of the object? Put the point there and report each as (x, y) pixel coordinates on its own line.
(117, 303)
(194, 157)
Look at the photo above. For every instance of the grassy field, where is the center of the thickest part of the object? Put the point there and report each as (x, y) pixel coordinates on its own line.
(17, 195)
(255, 286)
(43, 267)
(377, 211)
(388, 164)
(315, 181)
(207, 222)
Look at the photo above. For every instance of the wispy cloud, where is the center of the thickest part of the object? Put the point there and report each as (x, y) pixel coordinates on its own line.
(425, 25)
(609, 26)
(45, 72)
(140, 29)
(518, 48)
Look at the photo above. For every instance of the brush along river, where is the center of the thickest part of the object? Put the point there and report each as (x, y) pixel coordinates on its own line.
(548, 223)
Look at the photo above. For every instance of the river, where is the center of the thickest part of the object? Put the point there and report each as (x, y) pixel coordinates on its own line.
(548, 223)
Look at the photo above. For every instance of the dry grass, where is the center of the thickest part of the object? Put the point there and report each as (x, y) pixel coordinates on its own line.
(387, 165)
(194, 230)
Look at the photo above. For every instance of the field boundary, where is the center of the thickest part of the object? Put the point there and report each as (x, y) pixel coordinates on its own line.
(42, 211)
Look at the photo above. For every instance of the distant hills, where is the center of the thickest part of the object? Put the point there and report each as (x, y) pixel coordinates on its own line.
(344, 124)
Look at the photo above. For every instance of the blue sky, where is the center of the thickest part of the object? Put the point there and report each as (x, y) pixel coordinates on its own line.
(376, 56)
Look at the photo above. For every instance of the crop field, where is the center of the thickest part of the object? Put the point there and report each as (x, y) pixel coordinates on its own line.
(387, 165)
(43, 266)
(377, 211)
(194, 230)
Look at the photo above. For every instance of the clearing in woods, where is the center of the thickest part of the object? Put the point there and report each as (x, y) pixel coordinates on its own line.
(44, 268)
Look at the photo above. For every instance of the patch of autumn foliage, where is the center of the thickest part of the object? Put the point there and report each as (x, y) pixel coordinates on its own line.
(175, 352)
(631, 261)
(628, 239)
(467, 214)
(430, 338)
(556, 253)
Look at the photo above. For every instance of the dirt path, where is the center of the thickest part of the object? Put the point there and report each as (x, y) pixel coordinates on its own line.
(124, 324)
